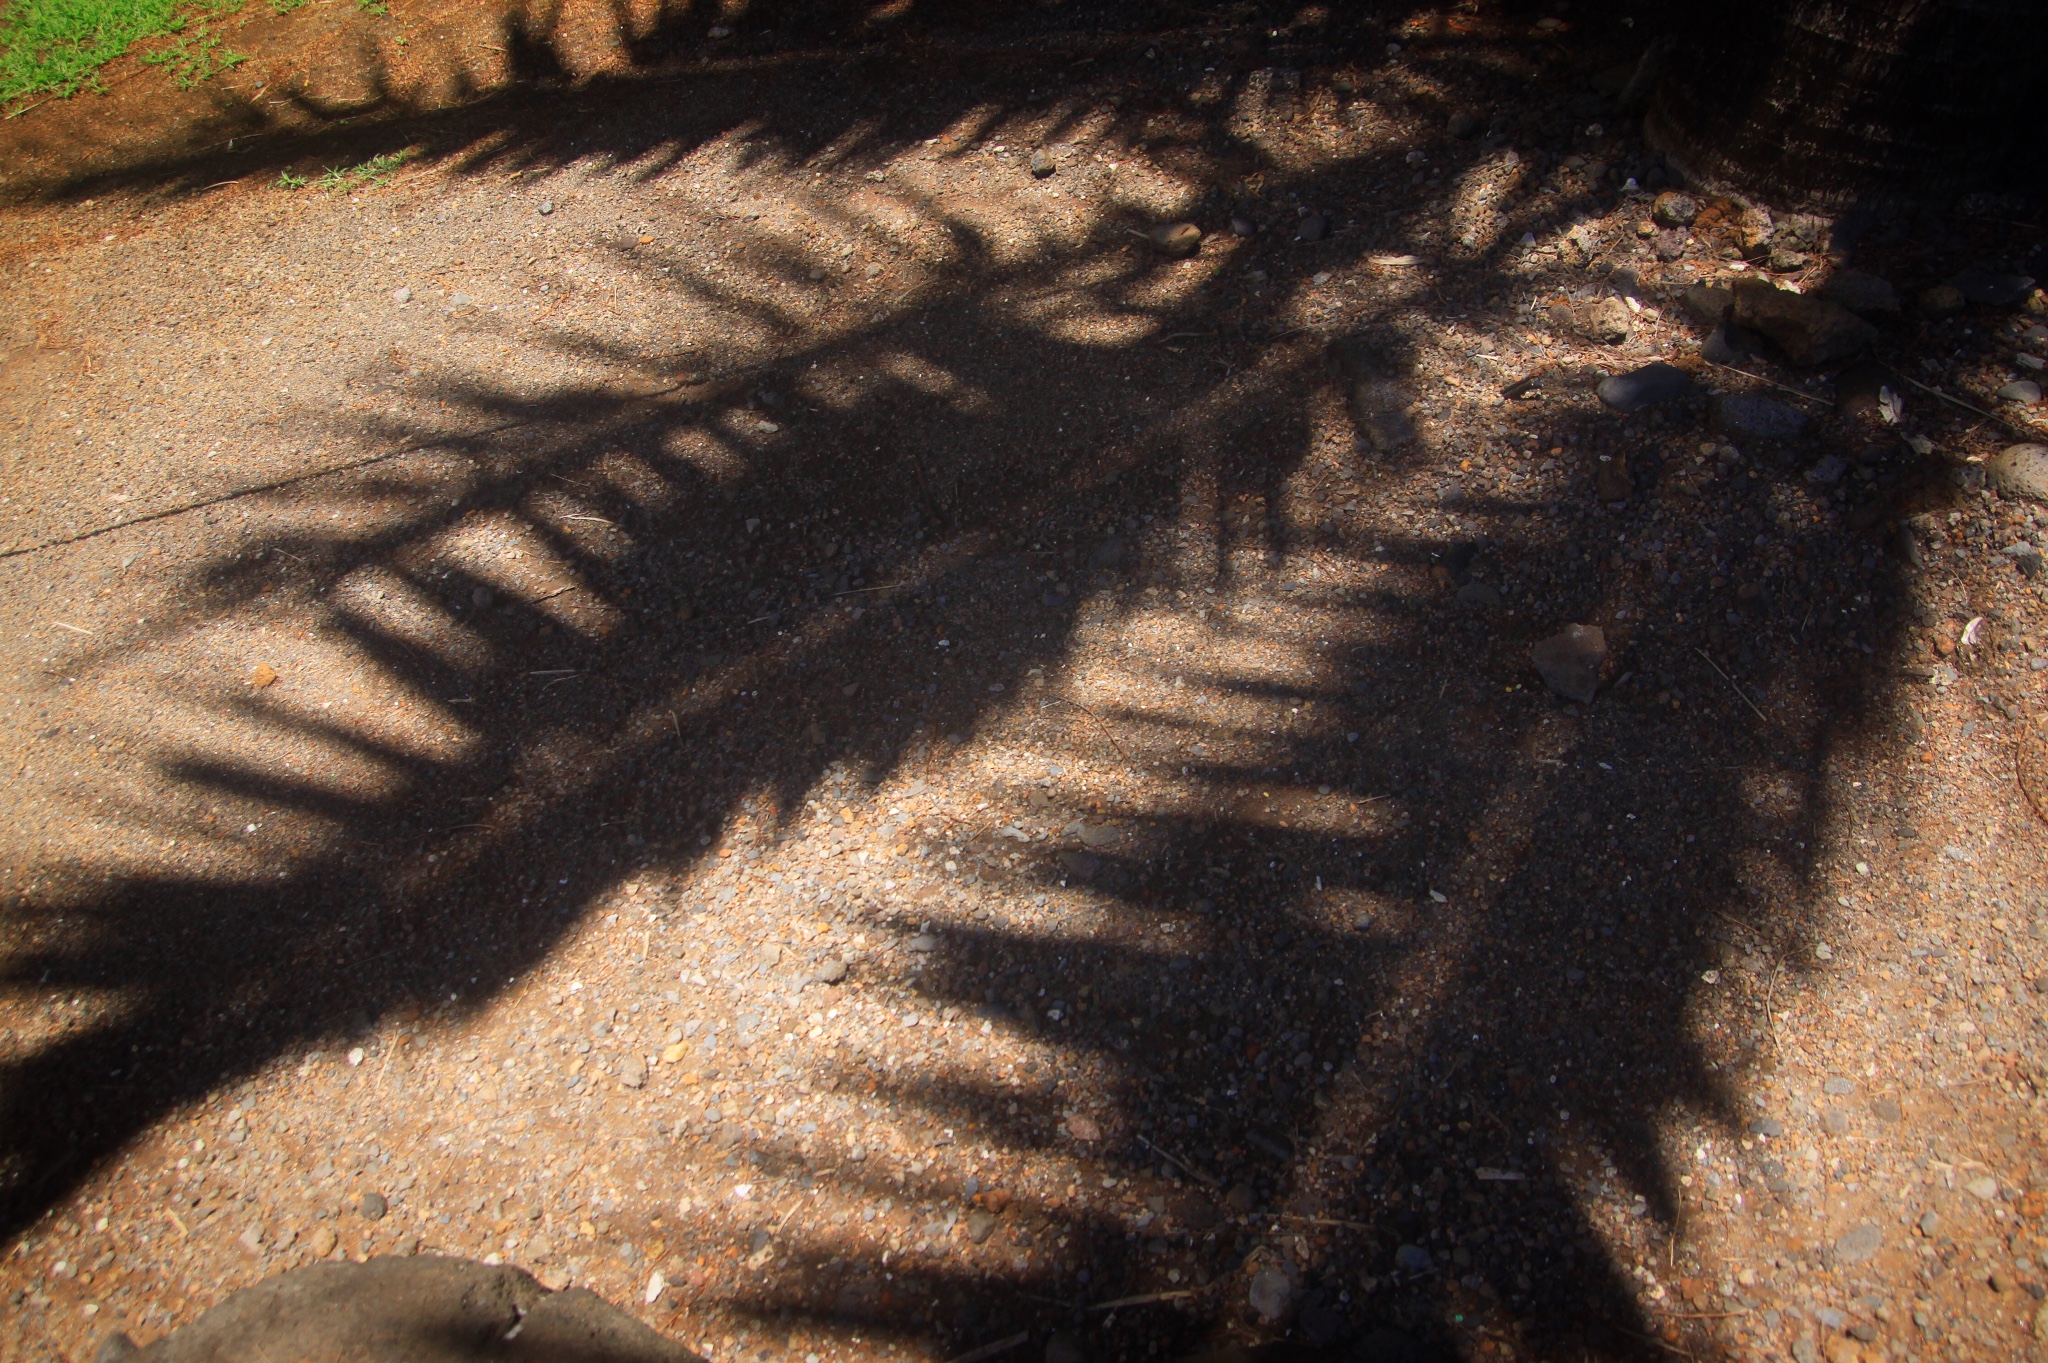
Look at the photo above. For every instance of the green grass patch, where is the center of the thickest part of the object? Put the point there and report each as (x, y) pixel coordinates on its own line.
(194, 57)
(375, 171)
(57, 47)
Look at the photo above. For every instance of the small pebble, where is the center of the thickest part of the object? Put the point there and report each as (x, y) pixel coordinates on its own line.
(1271, 1293)
(1859, 1244)
(402, 294)
(547, 206)
(373, 1206)
(1176, 238)
(2023, 391)
(1042, 164)
(1413, 1259)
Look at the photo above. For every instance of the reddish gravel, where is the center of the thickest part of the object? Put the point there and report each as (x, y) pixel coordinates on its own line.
(716, 690)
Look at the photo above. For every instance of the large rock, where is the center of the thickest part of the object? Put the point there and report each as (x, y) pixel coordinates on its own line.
(420, 1310)
(1861, 292)
(2020, 471)
(1646, 387)
(1570, 661)
(1809, 330)
(1606, 321)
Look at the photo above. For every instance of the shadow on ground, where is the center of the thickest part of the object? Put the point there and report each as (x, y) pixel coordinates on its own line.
(1490, 952)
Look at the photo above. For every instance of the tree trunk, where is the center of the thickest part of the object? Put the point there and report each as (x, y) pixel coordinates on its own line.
(1820, 102)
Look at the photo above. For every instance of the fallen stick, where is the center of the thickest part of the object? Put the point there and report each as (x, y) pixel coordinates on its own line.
(1162, 1150)
(1731, 682)
(1001, 1346)
(1143, 1299)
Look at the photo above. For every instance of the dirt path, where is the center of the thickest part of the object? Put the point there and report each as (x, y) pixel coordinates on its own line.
(719, 689)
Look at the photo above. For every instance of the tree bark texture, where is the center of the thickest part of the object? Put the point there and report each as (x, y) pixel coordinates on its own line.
(1818, 103)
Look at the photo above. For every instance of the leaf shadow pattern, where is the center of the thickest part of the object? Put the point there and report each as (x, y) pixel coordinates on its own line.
(1385, 947)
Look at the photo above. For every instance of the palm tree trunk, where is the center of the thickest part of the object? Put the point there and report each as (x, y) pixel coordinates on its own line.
(1819, 102)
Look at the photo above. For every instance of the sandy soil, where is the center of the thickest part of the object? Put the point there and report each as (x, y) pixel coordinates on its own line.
(719, 690)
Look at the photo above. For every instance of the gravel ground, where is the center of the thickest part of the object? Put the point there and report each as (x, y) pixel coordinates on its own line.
(720, 690)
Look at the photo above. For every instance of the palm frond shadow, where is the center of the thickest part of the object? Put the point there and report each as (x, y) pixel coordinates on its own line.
(1417, 931)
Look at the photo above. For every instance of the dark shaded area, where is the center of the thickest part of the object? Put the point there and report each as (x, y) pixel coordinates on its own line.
(1812, 102)
(1556, 880)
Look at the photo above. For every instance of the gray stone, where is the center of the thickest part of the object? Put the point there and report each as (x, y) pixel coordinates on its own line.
(1991, 290)
(1930, 1224)
(1242, 226)
(1413, 1259)
(372, 1206)
(1808, 329)
(1828, 470)
(924, 942)
(1887, 1110)
(1708, 303)
(2026, 558)
(1478, 594)
(402, 294)
(417, 1310)
(830, 971)
(1750, 417)
(2023, 391)
(1859, 1243)
(1669, 245)
(1081, 865)
(1272, 1295)
(1673, 209)
(1570, 661)
(1835, 1122)
(2020, 471)
(1313, 227)
(633, 1072)
(1766, 1126)
(1861, 292)
(1042, 164)
(1645, 387)
(547, 206)
(1838, 1087)
(980, 1226)
(1175, 238)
